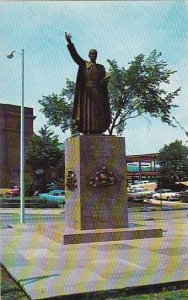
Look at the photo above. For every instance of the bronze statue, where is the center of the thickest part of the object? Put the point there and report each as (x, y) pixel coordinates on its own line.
(91, 109)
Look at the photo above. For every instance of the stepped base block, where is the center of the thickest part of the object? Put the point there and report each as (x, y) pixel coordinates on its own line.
(96, 208)
(104, 235)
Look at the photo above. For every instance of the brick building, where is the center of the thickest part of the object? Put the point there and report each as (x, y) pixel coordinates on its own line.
(10, 142)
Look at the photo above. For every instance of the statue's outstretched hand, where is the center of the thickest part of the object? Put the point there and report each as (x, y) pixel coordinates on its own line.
(68, 37)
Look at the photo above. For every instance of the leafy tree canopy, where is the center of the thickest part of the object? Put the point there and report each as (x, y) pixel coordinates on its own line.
(173, 159)
(43, 150)
(133, 92)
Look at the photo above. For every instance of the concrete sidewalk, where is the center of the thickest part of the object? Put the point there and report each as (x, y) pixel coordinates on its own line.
(172, 204)
(45, 268)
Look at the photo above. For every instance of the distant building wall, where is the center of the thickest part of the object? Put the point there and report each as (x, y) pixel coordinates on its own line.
(10, 141)
(144, 166)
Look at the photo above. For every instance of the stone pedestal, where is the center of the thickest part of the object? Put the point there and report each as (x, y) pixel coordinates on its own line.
(104, 206)
(96, 210)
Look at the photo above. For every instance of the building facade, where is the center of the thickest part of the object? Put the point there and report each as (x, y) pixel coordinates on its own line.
(10, 141)
(142, 167)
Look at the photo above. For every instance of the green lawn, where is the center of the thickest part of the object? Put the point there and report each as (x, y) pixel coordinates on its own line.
(167, 295)
(9, 289)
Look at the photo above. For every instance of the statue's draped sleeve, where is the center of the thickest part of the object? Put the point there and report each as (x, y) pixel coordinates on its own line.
(75, 56)
(79, 82)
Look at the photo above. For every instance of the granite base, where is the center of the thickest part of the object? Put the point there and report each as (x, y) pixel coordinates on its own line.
(103, 235)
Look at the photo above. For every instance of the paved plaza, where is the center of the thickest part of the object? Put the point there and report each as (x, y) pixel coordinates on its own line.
(35, 256)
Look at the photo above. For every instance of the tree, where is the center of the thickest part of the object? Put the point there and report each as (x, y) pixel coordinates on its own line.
(29, 185)
(133, 92)
(43, 151)
(173, 159)
(58, 108)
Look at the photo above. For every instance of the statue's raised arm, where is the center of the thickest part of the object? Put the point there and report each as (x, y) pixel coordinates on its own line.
(72, 50)
(91, 107)
(68, 37)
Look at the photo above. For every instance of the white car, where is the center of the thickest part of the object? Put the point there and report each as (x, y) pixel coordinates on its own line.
(149, 186)
(166, 194)
(138, 194)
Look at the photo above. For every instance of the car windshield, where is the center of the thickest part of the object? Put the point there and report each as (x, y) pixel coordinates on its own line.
(51, 193)
(56, 192)
(137, 190)
(165, 191)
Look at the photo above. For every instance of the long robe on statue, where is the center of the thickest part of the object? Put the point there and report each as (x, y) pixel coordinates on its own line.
(91, 109)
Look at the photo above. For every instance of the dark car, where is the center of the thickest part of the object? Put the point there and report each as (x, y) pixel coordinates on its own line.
(184, 196)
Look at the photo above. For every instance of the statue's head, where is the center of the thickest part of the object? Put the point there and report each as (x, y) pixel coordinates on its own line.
(93, 55)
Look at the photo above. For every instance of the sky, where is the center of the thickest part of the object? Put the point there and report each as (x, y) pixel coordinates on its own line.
(119, 30)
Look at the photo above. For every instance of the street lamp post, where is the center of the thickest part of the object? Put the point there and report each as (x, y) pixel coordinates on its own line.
(22, 150)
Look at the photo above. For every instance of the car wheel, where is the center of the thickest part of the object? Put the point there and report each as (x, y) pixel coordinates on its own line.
(168, 198)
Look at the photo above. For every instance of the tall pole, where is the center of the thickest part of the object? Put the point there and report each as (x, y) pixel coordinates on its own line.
(22, 140)
(22, 150)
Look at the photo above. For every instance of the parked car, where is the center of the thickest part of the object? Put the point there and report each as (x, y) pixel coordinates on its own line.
(4, 191)
(184, 196)
(138, 194)
(147, 185)
(14, 192)
(166, 194)
(54, 196)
